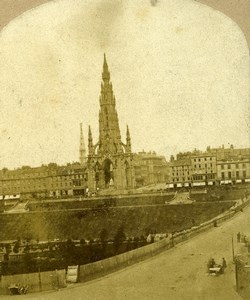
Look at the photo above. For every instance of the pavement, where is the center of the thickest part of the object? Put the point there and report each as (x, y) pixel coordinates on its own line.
(175, 274)
(20, 207)
(181, 198)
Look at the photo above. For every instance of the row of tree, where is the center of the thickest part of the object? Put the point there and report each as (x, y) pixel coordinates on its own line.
(59, 255)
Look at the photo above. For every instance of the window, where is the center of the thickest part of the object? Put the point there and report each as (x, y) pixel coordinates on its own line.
(237, 166)
(244, 165)
(244, 174)
(229, 175)
(237, 174)
(222, 167)
(222, 175)
(229, 166)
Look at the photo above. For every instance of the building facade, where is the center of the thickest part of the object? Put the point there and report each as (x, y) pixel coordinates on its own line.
(233, 171)
(233, 165)
(215, 166)
(150, 168)
(43, 182)
(204, 168)
(110, 161)
(180, 173)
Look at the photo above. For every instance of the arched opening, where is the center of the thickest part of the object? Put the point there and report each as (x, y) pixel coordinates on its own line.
(97, 174)
(128, 175)
(108, 172)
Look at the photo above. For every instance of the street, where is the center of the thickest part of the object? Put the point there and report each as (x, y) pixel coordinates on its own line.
(178, 273)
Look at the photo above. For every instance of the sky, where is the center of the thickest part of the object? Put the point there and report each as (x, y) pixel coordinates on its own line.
(180, 74)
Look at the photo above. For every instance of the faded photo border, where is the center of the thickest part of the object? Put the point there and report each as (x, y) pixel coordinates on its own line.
(237, 10)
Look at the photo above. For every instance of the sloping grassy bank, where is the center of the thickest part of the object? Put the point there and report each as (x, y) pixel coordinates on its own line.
(137, 221)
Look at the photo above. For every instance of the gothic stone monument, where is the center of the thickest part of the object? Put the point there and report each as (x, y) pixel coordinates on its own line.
(110, 161)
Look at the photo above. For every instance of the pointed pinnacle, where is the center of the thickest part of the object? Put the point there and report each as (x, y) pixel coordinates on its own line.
(105, 61)
(105, 73)
(90, 133)
(128, 134)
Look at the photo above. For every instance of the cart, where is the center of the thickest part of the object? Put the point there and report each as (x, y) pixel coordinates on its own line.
(216, 270)
(17, 289)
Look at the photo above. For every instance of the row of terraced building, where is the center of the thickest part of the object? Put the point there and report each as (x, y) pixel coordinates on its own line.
(215, 166)
(54, 181)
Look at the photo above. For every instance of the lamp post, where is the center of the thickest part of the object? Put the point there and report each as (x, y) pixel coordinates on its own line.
(39, 273)
(233, 247)
(236, 275)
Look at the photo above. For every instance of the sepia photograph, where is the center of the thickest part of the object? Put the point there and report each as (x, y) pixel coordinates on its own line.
(125, 149)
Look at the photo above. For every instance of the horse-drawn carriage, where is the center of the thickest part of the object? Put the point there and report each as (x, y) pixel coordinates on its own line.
(17, 289)
(216, 269)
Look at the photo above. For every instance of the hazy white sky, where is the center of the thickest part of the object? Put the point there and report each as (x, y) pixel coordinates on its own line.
(180, 74)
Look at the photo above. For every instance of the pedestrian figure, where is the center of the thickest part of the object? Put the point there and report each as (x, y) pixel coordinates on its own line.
(242, 237)
(211, 263)
(245, 239)
(224, 263)
(238, 237)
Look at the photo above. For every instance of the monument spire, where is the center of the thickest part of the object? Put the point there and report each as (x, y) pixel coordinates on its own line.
(128, 140)
(90, 140)
(110, 161)
(105, 72)
(109, 131)
(82, 150)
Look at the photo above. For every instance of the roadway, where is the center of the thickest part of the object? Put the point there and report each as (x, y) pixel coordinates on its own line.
(179, 273)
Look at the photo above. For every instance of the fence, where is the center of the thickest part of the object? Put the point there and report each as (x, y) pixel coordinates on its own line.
(100, 268)
(40, 281)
